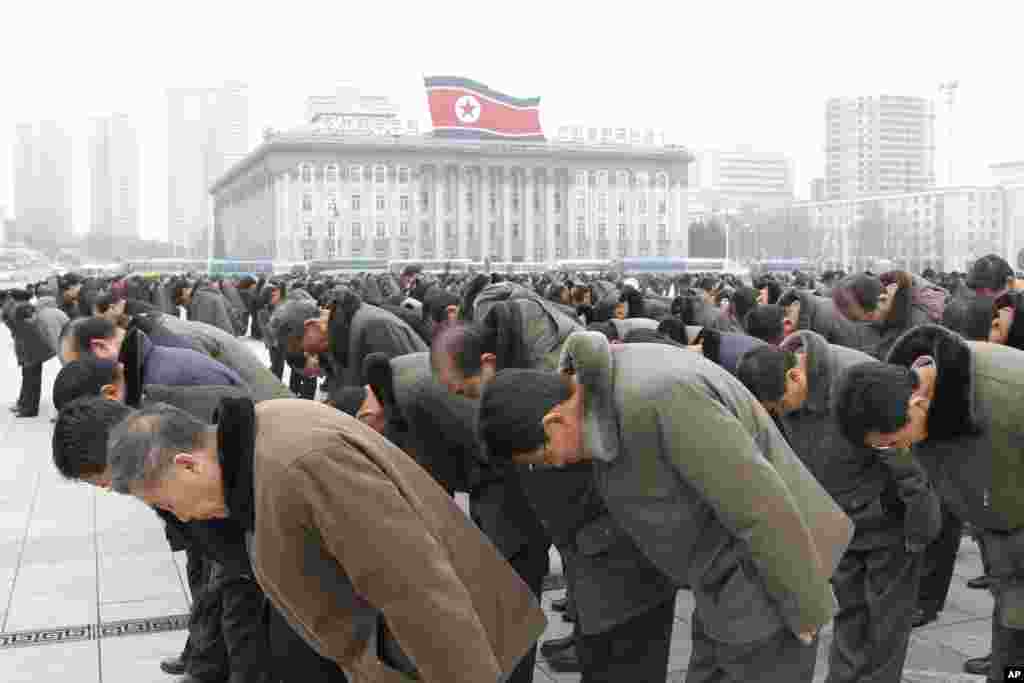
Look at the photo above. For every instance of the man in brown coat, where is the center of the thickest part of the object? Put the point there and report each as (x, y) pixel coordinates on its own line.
(365, 555)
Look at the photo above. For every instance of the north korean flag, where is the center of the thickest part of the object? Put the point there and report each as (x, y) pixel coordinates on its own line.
(463, 108)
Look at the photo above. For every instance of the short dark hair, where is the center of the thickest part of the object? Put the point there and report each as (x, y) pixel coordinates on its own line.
(645, 335)
(80, 435)
(862, 289)
(707, 284)
(762, 370)
(990, 272)
(674, 329)
(498, 333)
(88, 329)
(773, 287)
(764, 321)
(85, 377)
(873, 397)
(512, 409)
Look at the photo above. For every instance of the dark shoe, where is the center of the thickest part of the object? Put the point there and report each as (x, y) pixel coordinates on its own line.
(549, 647)
(921, 617)
(175, 666)
(569, 617)
(565, 661)
(560, 604)
(21, 414)
(15, 408)
(979, 666)
(980, 582)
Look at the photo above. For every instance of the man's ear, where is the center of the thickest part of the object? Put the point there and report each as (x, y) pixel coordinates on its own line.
(921, 402)
(488, 358)
(109, 392)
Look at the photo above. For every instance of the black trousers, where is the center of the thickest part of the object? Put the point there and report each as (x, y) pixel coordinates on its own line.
(230, 640)
(532, 564)
(31, 388)
(294, 661)
(1004, 554)
(780, 658)
(939, 562)
(636, 650)
(277, 361)
(204, 655)
(877, 590)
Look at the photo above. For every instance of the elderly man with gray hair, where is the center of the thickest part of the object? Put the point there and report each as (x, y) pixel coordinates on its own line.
(364, 553)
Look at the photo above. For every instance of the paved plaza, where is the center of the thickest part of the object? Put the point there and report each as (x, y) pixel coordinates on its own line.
(90, 592)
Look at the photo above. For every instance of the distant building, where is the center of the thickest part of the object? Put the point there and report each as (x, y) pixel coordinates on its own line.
(114, 177)
(1010, 177)
(334, 189)
(42, 183)
(207, 133)
(878, 145)
(944, 228)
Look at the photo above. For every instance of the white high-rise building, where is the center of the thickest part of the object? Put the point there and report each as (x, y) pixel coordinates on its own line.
(114, 175)
(207, 133)
(42, 183)
(878, 145)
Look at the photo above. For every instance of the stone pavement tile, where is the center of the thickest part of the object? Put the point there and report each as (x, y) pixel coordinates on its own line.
(555, 677)
(970, 639)
(49, 611)
(684, 605)
(127, 578)
(970, 601)
(136, 659)
(967, 567)
(71, 579)
(14, 522)
(58, 549)
(927, 655)
(115, 512)
(78, 662)
(181, 562)
(10, 551)
(680, 647)
(541, 676)
(159, 606)
(131, 541)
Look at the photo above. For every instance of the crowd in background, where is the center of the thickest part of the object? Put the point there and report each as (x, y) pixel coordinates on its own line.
(465, 374)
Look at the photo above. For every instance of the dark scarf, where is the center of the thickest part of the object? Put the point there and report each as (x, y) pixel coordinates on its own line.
(236, 449)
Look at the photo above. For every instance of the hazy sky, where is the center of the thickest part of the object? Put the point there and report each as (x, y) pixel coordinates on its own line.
(709, 73)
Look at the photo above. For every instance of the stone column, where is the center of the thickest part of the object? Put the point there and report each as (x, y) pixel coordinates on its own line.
(551, 218)
(484, 213)
(678, 231)
(571, 212)
(479, 221)
(415, 187)
(507, 175)
(529, 177)
(463, 213)
(439, 211)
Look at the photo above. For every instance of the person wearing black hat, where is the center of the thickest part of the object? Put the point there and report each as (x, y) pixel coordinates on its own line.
(990, 275)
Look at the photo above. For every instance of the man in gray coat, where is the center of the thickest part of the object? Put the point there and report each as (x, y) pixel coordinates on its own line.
(887, 496)
(694, 472)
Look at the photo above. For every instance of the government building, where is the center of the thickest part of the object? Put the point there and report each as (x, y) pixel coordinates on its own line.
(349, 185)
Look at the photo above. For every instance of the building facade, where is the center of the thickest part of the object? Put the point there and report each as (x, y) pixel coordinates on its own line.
(42, 183)
(878, 145)
(207, 133)
(945, 229)
(114, 177)
(731, 180)
(349, 111)
(321, 193)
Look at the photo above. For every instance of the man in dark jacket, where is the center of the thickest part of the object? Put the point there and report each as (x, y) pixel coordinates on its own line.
(36, 330)
(205, 304)
(887, 496)
(958, 405)
(349, 332)
(694, 472)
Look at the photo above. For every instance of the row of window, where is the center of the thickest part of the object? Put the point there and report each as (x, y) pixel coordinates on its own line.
(540, 253)
(602, 205)
(600, 178)
(382, 232)
(404, 204)
(378, 173)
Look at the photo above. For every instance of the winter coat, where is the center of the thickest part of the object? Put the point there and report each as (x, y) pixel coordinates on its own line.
(887, 495)
(369, 330)
(180, 367)
(974, 453)
(695, 471)
(36, 328)
(237, 308)
(726, 349)
(432, 425)
(544, 327)
(224, 347)
(209, 306)
(351, 539)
